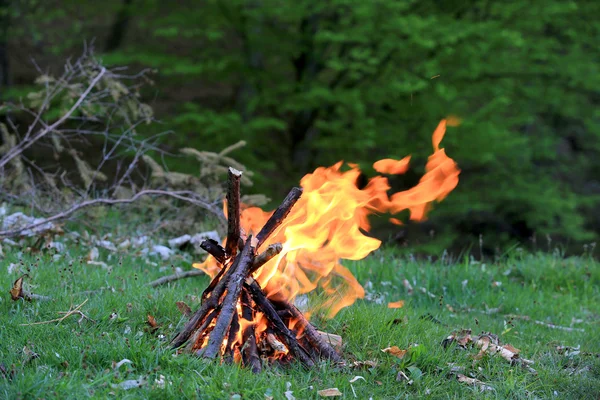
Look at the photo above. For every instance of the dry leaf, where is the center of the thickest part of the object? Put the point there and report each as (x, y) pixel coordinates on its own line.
(332, 339)
(152, 323)
(396, 304)
(357, 377)
(475, 382)
(117, 365)
(93, 254)
(183, 308)
(130, 384)
(332, 392)
(364, 364)
(16, 292)
(401, 377)
(395, 351)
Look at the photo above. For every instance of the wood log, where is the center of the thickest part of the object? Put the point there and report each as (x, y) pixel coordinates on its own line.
(240, 269)
(249, 350)
(231, 338)
(233, 212)
(287, 337)
(219, 284)
(213, 248)
(310, 332)
(278, 216)
(266, 256)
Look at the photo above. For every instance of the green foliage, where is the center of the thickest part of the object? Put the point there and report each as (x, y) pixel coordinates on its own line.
(308, 83)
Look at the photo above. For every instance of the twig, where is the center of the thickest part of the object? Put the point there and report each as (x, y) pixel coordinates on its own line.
(67, 314)
(175, 277)
(234, 286)
(264, 257)
(181, 195)
(23, 145)
(278, 216)
(546, 324)
(233, 212)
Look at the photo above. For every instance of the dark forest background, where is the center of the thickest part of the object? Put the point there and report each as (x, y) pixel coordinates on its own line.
(307, 83)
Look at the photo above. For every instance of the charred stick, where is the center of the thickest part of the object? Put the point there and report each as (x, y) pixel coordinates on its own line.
(193, 343)
(240, 269)
(264, 257)
(231, 338)
(249, 348)
(233, 212)
(213, 248)
(311, 333)
(218, 252)
(273, 342)
(278, 216)
(210, 301)
(286, 336)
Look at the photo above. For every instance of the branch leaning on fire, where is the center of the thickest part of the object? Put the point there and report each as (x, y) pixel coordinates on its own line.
(84, 147)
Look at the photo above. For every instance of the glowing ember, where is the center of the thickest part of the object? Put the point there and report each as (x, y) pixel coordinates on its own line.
(328, 222)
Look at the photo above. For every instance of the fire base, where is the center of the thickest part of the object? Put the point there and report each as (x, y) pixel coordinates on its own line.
(225, 325)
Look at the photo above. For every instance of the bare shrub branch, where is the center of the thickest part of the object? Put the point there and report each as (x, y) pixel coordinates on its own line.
(84, 145)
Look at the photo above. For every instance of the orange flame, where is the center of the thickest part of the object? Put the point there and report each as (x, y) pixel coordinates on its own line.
(328, 222)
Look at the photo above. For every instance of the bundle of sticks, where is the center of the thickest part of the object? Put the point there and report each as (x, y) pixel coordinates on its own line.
(234, 298)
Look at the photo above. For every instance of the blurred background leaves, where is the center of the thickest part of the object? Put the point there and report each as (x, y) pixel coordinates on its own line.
(307, 83)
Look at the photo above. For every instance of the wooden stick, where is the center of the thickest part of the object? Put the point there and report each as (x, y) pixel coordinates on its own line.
(213, 248)
(310, 332)
(210, 302)
(218, 252)
(240, 268)
(233, 331)
(278, 216)
(267, 308)
(177, 276)
(233, 212)
(266, 256)
(249, 348)
(200, 332)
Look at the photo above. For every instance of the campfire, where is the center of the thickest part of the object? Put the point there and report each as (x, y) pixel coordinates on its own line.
(268, 258)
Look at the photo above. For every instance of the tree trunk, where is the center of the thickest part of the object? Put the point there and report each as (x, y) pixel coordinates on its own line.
(119, 27)
(4, 64)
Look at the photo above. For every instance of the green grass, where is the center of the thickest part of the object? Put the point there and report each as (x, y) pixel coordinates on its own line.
(76, 360)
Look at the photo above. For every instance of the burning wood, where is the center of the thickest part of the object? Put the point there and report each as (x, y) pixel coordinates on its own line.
(269, 258)
(237, 320)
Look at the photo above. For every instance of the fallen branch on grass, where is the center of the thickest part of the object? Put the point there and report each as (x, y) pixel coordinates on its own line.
(66, 314)
(186, 196)
(179, 275)
(546, 324)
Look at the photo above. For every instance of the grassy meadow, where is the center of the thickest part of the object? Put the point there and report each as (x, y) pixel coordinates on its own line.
(545, 305)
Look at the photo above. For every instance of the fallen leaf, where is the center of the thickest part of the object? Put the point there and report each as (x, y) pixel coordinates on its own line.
(123, 361)
(183, 308)
(475, 382)
(152, 323)
(129, 384)
(331, 392)
(333, 339)
(395, 351)
(401, 377)
(364, 364)
(357, 377)
(93, 254)
(16, 292)
(396, 304)
(289, 395)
